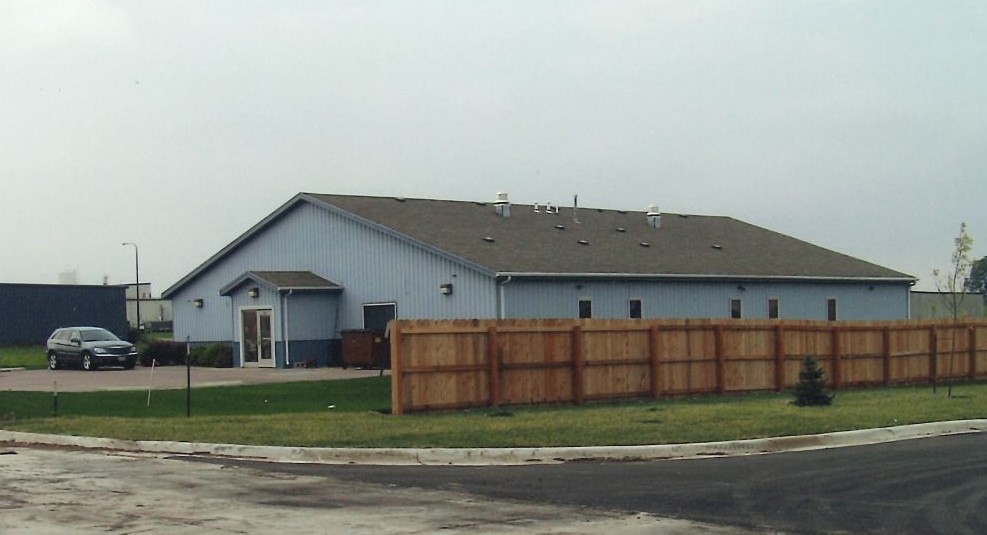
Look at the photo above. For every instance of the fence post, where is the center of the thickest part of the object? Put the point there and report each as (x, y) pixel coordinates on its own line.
(655, 363)
(971, 368)
(493, 357)
(721, 386)
(837, 358)
(397, 406)
(886, 340)
(779, 358)
(578, 363)
(933, 355)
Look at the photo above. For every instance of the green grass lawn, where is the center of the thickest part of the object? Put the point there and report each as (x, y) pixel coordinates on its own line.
(299, 414)
(30, 357)
(162, 336)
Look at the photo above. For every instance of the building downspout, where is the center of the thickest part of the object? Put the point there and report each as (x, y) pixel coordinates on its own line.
(501, 300)
(233, 320)
(908, 300)
(284, 329)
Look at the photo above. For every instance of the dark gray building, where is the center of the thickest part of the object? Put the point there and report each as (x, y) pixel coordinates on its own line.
(322, 264)
(30, 312)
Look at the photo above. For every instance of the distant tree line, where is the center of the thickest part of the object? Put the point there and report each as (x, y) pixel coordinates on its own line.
(977, 281)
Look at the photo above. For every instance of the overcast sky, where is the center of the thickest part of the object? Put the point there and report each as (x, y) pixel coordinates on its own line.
(858, 126)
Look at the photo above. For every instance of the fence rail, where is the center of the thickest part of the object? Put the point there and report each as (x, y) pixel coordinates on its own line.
(453, 364)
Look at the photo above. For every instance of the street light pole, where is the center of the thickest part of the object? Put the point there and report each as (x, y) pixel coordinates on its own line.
(137, 283)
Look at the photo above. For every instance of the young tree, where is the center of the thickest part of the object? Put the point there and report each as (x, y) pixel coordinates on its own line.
(952, 285)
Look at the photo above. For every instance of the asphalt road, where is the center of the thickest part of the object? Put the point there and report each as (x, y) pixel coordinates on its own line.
(70, 492)
(931, 485)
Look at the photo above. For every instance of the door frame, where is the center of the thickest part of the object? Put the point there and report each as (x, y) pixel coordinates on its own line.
(261, 362)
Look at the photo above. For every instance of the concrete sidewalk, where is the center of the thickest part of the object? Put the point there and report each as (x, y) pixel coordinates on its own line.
(164, 377)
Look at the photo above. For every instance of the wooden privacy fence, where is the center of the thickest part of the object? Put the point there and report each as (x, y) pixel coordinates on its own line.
(453, 364)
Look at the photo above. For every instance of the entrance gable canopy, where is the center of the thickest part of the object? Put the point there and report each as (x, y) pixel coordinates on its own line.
(282, 281)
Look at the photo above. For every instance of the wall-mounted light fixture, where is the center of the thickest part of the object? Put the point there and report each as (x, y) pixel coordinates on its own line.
(197, 303)
(253, 292)
(446, 288)
(740, 288)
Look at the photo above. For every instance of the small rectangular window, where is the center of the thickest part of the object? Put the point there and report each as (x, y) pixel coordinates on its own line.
(735, 309)
(831, 309)
(773, 308)
(585, 309)
(634, 309)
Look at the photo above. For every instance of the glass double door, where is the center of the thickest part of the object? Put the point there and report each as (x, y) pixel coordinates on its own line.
(256, 340)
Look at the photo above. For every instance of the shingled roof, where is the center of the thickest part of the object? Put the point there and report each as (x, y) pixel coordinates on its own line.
(601, 242)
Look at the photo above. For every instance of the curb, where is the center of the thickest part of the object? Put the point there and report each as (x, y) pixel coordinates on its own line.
(509, 456)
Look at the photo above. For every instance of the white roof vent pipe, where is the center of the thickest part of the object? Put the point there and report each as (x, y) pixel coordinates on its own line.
(502, 206)
(654, 216)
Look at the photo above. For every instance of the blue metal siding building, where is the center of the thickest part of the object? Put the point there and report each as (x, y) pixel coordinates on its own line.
(703, 299)
(285, 290)
(371, 265)
(30, 312)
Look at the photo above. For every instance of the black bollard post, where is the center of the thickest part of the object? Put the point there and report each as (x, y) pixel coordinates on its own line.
(188, 378)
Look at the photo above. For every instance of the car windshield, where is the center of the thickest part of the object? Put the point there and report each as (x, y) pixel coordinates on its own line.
(97, 335)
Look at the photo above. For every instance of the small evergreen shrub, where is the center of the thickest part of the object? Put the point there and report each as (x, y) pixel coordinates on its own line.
(811, 387)
(165, 353)
(133, 335)
(219, 356)
(224, 357)
(197, 356)
(212, 356)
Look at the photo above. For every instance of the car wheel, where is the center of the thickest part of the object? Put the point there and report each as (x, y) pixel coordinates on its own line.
(52, 361)
(87, 362)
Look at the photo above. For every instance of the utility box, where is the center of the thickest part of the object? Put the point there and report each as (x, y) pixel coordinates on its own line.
(365, 348)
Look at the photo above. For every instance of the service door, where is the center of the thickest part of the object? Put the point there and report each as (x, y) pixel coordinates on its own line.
(256, 340)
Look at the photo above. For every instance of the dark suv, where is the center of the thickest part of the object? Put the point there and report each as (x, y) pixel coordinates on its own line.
(89, 348)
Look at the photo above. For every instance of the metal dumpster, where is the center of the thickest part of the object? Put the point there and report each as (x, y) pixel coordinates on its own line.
(365, 348)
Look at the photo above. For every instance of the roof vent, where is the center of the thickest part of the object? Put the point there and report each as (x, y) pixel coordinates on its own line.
(644, 244)
(620, 229)
(654, 216)
(583, 242)
(717, 246)
(489, 239)
(502, 206)
(560, 227)
(537, 207)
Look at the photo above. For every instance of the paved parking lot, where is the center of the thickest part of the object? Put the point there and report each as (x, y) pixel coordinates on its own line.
(164, 377)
